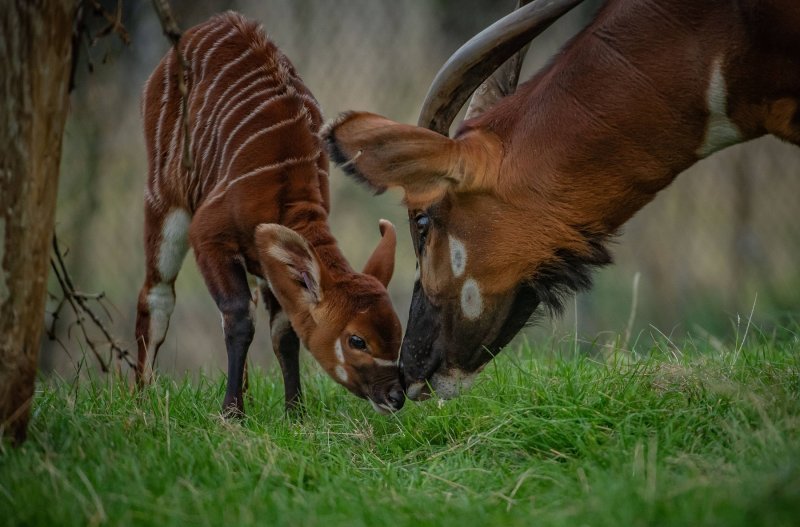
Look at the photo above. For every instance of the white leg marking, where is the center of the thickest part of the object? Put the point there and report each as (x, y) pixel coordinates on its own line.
(337, 349)
(471, 300)
(280, 325)
(720, 130)
(160, 302)
(341, 373)
(451, 383)
(458, 256)
(174, 244)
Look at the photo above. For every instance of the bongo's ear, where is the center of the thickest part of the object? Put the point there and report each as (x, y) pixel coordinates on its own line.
(381, 263)
(385, 154)
(292, 267)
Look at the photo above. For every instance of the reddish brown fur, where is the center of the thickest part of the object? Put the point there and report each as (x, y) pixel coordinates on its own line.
(573, 154)
(258, 160)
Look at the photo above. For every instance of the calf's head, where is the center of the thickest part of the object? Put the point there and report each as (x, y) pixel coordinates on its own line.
(344, 318)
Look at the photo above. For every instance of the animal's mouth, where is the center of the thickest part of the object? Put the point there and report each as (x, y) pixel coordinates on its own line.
(418, 391)
(384, 408)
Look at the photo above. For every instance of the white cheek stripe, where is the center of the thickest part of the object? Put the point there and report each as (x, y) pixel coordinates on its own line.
(471, 300)
(384, 362)
(458, 256)
(339, 353)
(720, 130)
(341, 373)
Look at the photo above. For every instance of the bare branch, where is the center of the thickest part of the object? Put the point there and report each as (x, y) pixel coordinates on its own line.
(84, 315)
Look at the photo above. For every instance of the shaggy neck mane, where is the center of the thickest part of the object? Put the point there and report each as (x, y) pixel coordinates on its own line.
(569, 272)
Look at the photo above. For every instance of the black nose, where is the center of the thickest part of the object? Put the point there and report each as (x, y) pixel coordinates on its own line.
(396, 397)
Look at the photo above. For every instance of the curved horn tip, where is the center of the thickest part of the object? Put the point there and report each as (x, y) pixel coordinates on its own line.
(385, 225)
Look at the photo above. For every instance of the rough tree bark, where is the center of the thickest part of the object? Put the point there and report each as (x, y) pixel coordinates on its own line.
(35, 58)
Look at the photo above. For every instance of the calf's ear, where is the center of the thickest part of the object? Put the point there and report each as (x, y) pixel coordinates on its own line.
(292, 267)
(381, 263)
(384, 154)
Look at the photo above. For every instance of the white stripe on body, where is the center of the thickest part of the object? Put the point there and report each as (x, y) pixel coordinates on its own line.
(720, 130)
(252, 115)
(156, 184)
(213, 30)
(217, 192)
(217, 159)
(214, 48)
(271, 128)
(222, 101)
(198, 115)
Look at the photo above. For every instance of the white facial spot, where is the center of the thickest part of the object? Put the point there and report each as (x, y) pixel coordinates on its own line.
(337, 349)
(341, 373)
(720, 130)
(416, 274)
(450, 384)
(458, 256)
(174, 243)
(471, 300)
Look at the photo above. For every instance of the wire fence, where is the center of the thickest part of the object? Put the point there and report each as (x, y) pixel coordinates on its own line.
(724, 234)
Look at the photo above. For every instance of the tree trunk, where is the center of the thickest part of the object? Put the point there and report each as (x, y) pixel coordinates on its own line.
(35, 59)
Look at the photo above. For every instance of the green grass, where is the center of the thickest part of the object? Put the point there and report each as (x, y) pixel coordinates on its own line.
(699, 436)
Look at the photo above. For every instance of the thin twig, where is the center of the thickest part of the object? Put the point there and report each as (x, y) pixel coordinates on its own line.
(173, 33)
(80, 29)
(84, 314)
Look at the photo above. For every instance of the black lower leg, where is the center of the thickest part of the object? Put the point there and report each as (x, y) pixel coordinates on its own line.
(286, 346)
(238, 335)
(226, 279)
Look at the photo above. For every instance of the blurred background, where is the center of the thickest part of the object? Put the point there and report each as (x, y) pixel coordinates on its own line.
(721, 242)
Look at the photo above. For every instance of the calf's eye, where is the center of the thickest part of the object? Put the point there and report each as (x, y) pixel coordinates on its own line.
(357, 342)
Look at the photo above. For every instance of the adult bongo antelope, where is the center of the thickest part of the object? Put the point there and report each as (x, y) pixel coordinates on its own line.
(257, 202)
(516, 209)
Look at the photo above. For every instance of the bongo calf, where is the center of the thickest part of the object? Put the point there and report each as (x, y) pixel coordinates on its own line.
(257, 201)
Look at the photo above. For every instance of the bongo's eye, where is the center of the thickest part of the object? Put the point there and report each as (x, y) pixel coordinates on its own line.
(423, 223)
(357, 342)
